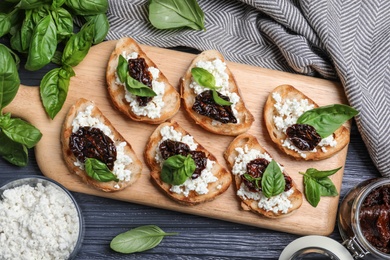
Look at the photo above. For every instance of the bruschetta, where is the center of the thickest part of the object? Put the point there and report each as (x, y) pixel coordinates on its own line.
(95, 151)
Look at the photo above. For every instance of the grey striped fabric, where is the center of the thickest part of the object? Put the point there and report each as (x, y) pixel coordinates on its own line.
(333, 39)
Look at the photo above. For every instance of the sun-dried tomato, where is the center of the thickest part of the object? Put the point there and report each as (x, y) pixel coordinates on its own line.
(170, 148)
(90, 142)
(138, 69)
(205, 105)
(304, 137)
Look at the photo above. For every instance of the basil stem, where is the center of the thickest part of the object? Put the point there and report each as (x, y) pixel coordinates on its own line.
(327, 119)
(317, 183)
(170, 14)
(138, 239)
(99, 171)
(272, 181)
(177, 169)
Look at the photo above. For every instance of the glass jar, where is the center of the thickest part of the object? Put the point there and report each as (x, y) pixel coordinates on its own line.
(350, 227)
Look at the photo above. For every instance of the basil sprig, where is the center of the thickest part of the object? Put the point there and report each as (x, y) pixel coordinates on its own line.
(272, 181)
(99, 171)
(139, 239)
(317, 183)
(206, 79)
(177, 169)
(327, 119)
(16, 135)
(255, 180)
(171, 14)
(134, 86)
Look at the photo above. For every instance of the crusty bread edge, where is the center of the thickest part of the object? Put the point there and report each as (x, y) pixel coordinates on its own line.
(117, 92)
(224, 177)
(249, 204)
(70, 159)
(188, 97)
(341, 135)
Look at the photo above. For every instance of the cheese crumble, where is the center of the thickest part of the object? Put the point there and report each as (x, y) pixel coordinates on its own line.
(275, 203)
(154, 107)
(85, 118)
(288, 112)
(199, 185)
(37, 223)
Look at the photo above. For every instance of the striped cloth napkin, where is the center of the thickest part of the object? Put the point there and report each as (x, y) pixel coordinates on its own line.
(344, 40)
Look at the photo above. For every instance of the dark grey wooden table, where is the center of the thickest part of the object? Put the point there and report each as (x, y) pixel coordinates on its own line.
(199, 237)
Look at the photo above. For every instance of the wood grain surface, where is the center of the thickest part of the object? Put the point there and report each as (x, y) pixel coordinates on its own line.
(255, 84)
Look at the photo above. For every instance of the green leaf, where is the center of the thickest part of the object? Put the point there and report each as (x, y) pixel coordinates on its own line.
(122, 69)
(327, 187)
(87, 7)
(312, 191)
(9, 77)
(5, 24)
(43, 44)
(13, 152)
(54, 89)
(321, 174)
(101, 25)
(272, 182)
(137, 88)
(203, 77)
(177, 169)
(20, 131)
(255, 181)
(138, 239)
(327, 119)
(99, 171)
(64, 23)
(31, 4)
(220, 101)
(170, 14)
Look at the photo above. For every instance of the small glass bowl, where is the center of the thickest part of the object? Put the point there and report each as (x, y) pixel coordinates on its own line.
(33, 181)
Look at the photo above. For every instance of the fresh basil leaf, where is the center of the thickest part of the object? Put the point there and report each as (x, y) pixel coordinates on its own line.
(272, 182)
(177, 169)
(137, 88)
(5, 24)
(122, 69)
(64, 23)
(255, 181)
(327, 187)
(101, 25)
(13, 152)
(78, 45)
(54, 89)
(31, 4)
(87, 7)
(220, 101)
(99, 171)
(43, 44)
(9, 77)
(312, 191)
(27, 30)
(138, 239)
(171, 14)
(20, 131)
(203, 77)
(327, 119)
(321, 174)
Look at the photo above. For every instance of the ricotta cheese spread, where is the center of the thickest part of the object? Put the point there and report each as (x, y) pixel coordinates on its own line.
(154, 107)
(37, 223)
(199, 185)
(288, 112)
(85, 118)
(217, 68)
(278, 203)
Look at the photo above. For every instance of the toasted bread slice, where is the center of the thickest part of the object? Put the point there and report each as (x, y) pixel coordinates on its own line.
(163, 106)
(278, 135)
(245, 143)
(222, 178)
(188, 94)
(133, 166)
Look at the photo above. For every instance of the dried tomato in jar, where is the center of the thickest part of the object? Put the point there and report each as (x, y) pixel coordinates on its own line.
(138, 69)
(170, 148)
(90, 142)
(205, 105)
(304, 137)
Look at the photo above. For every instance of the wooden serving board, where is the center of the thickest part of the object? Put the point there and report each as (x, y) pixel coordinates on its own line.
(255, 84)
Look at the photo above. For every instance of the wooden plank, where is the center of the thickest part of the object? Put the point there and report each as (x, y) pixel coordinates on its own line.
(255, 84)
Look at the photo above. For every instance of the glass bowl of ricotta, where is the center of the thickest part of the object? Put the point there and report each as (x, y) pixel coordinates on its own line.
(39, 219)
